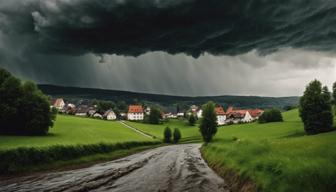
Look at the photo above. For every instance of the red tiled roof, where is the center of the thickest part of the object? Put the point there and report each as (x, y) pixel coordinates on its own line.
(255, 112)
(135, 109)
(219, 110)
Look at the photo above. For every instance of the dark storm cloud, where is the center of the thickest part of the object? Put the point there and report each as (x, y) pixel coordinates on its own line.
(134, 27)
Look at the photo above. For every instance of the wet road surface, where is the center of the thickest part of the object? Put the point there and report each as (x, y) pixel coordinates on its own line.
(169, 168)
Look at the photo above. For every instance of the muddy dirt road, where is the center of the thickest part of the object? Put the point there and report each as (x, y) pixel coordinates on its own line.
(170, 168)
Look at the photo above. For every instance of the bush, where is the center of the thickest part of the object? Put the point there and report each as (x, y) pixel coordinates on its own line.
(192, 120)
(176, 135)
(20, 158)
(25, 110)
(316, 109)
(167, 135)
(272, 115)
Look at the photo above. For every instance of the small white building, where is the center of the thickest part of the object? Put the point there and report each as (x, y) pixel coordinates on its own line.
(58, 103)
(110, 115)
(221, 116)
(199, 113)
(135, 113)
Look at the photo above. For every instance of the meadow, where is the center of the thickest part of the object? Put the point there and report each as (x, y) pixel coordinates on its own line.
(274, 156)
(190, 134)
(71, 130)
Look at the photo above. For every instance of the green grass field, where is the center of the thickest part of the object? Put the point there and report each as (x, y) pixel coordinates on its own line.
(275, 156)
(189, 133)
(70, 130)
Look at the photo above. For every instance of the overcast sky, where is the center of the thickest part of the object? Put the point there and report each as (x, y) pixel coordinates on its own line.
(186, 47)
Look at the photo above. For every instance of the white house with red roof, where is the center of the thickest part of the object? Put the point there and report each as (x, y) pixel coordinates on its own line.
(242, 115)
(221, 116)
(58, 103)
(135, 113)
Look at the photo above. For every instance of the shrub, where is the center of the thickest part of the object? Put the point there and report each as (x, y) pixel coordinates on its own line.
(208, 127)
(316, 109)
(176, 135)
(272, 115)
(167, 135)
(13, 160)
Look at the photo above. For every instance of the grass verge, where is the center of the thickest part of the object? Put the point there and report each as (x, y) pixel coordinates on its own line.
(27, 160)
(274, 157)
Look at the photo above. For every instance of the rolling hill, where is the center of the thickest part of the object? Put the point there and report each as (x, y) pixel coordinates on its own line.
(166, 100)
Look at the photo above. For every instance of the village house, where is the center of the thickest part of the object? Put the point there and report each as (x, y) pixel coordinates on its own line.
(109, 115)
(135, 113)
(221, 116)
(241, 115)
(58, 103)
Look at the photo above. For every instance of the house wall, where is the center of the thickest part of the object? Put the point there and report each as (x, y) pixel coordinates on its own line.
(247, 117)
(135, 116)
(111, 116)
(221, 119)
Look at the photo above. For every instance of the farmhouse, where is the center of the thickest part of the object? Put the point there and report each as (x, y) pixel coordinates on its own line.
(58, 103)
(242, 115)
(221, 116)
(135, 113)
(110, 115)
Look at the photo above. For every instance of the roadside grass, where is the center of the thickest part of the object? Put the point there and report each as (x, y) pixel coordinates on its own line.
(71, 130)
(190, 134)
(25, 159)
(73, 141)
(274, 156)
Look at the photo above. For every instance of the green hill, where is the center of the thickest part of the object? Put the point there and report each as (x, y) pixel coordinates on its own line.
(275, 156)
(71, 130)
(166, 100)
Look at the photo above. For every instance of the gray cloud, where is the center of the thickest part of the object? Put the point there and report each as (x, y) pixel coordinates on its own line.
(77, 43)
(129, 27)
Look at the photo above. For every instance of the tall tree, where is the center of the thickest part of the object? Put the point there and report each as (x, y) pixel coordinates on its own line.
(315, 108)
(334, 93)
(208, 127)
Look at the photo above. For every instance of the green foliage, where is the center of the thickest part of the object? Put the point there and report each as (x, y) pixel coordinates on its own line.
(192, 119)
(17, 158)
(167, 135)
(154, 116)
(24, 108)
(315, 108)
(176, 135)
(105, 105)
(208, 127)
(272, 115)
